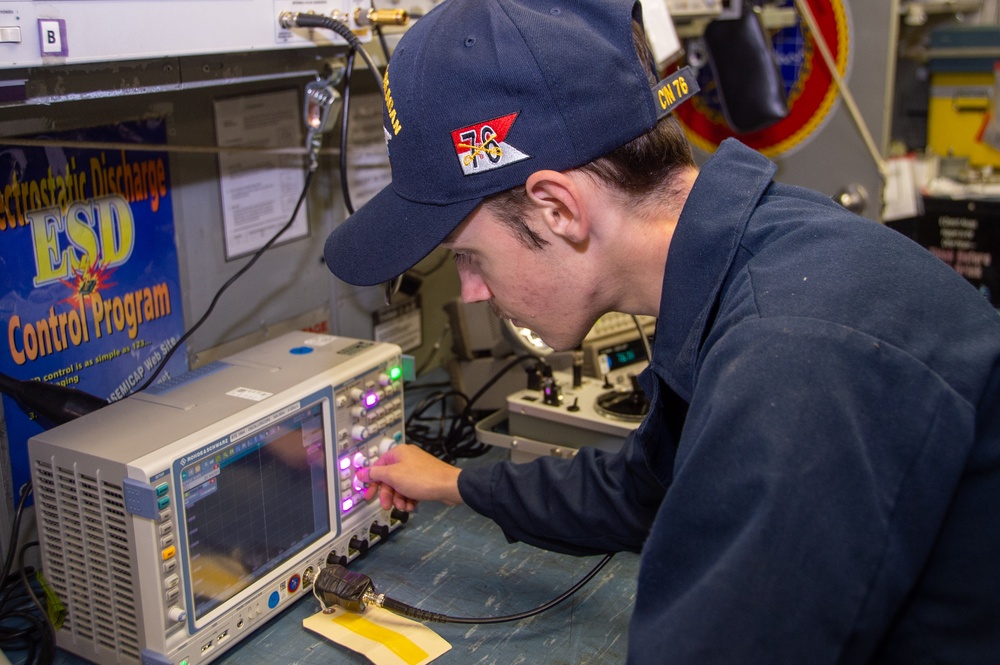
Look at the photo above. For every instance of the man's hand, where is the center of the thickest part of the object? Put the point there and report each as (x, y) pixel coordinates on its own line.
(406, 475)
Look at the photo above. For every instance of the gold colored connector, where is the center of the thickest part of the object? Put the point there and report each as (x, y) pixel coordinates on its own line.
(381, 16)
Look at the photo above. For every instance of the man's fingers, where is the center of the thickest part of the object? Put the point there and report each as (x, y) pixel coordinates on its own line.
(385, 496)
(381, 478)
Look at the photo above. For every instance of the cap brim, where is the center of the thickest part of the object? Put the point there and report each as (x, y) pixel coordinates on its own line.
(389, 235)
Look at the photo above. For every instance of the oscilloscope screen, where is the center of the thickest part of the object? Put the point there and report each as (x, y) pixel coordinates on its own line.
(253, 505)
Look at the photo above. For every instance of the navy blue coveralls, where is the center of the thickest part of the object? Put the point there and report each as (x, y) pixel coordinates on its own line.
(818, 480)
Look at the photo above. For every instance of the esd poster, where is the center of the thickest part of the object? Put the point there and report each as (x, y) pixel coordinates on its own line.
(89, 285)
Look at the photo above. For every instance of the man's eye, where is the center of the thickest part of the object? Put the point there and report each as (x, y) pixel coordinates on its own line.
(462, 260)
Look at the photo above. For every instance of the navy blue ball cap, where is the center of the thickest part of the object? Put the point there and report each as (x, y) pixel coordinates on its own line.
(480, 94)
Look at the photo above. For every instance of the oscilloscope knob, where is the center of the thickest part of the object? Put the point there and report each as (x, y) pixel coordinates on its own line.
(385, 444)
(177, 614)
(359, 544)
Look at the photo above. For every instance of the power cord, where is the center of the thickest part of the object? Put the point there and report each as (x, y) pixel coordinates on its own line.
(335, 585)
(447, 437)
(25, 621)
(299, 20)
(450, 438)
(345, 112)
(339, 26)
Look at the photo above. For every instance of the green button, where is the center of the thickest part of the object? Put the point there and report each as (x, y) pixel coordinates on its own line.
(163, 502)
(162, 489)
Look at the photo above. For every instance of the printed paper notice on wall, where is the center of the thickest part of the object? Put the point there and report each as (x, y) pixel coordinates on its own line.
(259, 190)
(369, 170)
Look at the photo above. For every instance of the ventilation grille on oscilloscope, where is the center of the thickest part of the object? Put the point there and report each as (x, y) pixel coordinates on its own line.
(82, 525)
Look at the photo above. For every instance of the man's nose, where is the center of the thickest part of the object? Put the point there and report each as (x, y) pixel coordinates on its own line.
(474, 289)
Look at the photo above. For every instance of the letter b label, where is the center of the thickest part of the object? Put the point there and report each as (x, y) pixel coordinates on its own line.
(52, 35)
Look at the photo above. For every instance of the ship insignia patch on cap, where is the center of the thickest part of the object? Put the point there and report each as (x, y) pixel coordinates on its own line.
(483, 147)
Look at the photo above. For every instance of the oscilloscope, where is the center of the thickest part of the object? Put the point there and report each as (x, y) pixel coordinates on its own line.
(174, 522)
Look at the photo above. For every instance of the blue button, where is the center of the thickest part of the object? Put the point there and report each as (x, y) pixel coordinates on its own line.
(161, 489)
(163, 502)
(301, 350)
(272, 600)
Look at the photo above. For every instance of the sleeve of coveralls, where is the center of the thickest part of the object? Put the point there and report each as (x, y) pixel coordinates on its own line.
(595, 502)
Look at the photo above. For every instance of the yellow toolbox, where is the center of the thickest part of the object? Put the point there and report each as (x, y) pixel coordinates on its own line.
(961, 89)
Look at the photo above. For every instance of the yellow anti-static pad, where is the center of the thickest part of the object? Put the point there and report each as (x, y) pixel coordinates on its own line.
(379, 635)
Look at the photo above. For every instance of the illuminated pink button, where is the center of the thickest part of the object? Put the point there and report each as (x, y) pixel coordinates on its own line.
(346, 505)
(371, 399)
(345, 463)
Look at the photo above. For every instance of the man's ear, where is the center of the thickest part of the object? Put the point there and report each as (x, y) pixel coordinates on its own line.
(561, 204)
